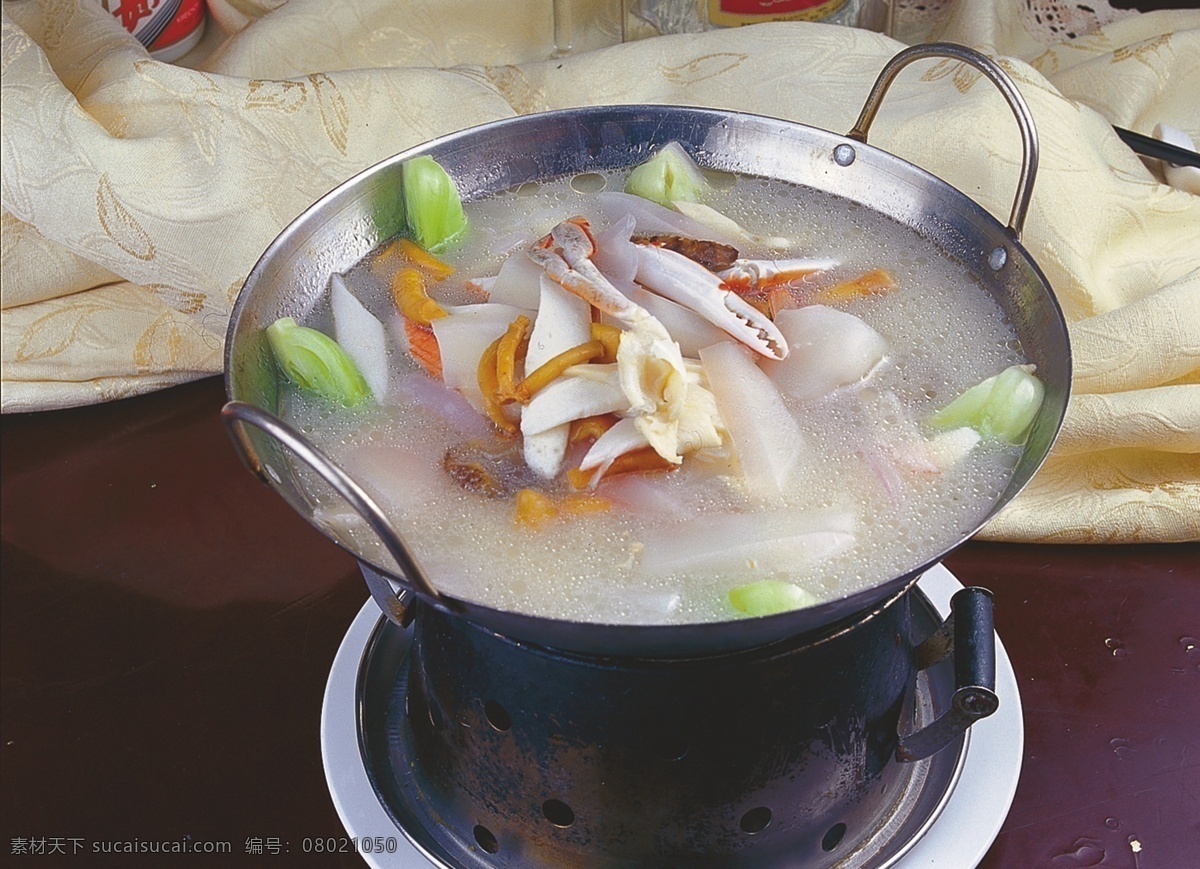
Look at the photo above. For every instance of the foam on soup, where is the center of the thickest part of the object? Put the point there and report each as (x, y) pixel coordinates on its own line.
(672, 545)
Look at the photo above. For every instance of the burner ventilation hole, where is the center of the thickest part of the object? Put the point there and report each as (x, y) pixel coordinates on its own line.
(497, 715)
(834, 837)
(756, 820)
(558, 813)
(485, 839)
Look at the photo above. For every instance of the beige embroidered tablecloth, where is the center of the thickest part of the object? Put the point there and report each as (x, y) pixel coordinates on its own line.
(138, 194)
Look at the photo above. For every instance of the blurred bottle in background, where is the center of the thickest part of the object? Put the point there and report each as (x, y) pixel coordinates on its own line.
(168, 28)
(695, 16)
(581, 25)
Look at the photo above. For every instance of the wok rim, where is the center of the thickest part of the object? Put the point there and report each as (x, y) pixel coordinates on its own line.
(598, 636)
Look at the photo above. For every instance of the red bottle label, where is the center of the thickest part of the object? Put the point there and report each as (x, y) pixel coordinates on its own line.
(730, 13)
(158, 23)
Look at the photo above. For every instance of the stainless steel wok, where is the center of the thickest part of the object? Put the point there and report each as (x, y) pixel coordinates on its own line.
(343, 226)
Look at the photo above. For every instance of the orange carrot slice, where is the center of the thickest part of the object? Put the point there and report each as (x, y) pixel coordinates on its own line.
(424, 260)
(506, 357)
(409, 253)
(590, 427)
(876, 282)
(534, 509)
(637, 461)
(579, 478)
(610, 337)
(583, 503)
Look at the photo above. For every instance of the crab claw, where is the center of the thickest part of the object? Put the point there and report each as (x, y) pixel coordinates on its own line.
(685, 281)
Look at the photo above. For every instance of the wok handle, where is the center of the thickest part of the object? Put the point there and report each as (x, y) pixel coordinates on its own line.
(236, 414)
(998, 77)
(969, 632)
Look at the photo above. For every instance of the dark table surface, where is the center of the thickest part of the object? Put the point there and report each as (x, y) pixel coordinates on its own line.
(169, 625)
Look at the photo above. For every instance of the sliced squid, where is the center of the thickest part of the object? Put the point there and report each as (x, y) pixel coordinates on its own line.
(575, 395)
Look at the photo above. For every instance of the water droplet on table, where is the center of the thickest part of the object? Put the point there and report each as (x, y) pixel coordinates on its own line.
(1122, 748)
(1083, 852)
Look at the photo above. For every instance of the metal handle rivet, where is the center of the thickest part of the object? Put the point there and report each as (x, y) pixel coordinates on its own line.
(997, 259)
(844, 155)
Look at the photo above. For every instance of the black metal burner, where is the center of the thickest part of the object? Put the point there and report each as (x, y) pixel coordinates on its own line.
(488, 752)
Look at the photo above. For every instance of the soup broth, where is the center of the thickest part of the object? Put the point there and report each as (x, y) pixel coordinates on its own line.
(863, 501)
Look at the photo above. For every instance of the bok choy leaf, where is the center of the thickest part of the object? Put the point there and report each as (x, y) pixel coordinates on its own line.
(669, 176)
(314, 361)
(1003, 406)
(432, 205)
(769, 596)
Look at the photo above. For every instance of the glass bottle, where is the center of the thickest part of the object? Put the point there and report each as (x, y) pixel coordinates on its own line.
(695, 16)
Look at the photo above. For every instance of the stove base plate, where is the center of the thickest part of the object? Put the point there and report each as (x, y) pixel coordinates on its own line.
(959, 835)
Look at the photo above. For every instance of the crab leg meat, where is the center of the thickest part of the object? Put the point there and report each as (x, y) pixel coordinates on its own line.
(574, 270)
(749, 274)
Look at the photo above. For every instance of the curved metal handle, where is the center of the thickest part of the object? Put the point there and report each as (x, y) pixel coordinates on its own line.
(969, 632)
(237, 413)
(998, 77)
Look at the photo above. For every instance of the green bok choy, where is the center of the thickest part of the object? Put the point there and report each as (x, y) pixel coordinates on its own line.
(315, 362)
(432, 205)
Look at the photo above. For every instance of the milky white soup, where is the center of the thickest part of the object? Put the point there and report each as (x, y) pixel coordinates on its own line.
(870, 491)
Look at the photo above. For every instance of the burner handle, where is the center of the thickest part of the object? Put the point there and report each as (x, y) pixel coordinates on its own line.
(969, 633)
(236, 414)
